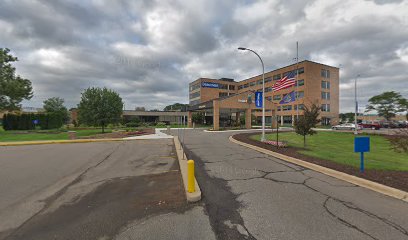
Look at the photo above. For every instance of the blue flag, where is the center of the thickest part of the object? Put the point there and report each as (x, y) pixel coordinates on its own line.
(290, 97)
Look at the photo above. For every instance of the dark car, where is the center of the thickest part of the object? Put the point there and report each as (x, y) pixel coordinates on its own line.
(370, 124)
(389, 124)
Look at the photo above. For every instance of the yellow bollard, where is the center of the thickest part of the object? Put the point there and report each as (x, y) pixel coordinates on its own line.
(190, 176)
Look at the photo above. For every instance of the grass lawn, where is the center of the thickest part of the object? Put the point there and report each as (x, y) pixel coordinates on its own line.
(339, 147)
(12, 136)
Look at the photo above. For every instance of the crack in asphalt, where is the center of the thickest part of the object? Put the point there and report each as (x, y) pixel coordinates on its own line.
(55, 196)
(344, 222)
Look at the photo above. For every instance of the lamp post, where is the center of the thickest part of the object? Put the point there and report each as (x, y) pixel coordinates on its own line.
(263, 90)
(356, 108)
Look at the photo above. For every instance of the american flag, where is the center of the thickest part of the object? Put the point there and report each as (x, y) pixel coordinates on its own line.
(286, 82)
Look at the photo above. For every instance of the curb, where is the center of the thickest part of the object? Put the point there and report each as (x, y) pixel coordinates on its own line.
(6, 144)
(191, 197)
(377, 187)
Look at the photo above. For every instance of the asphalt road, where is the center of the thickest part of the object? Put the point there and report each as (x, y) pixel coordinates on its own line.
(250, 195)
(112, 190)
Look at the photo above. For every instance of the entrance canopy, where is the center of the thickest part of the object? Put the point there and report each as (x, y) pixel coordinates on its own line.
(244, 101)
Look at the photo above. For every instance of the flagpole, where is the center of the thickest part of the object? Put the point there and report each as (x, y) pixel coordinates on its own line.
(297, 72)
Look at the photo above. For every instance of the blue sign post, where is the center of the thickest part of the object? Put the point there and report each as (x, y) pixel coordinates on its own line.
(258, 99)
(362, 145)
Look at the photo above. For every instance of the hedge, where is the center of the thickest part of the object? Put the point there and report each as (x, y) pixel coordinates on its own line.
(25, 121)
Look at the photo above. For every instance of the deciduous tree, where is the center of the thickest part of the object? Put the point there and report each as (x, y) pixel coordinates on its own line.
(56, 105)
(387, 104)
(99, 107)
(13, 88)
(309, 120)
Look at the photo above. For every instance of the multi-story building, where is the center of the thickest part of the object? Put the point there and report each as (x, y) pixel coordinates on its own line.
(315, 83)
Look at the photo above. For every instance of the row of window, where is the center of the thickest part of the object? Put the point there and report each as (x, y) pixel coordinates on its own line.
(299, 83)
(195, 86)
(194, 95)
(289, 107)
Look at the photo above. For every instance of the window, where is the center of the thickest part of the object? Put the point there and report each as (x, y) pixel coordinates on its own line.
(276, 77)
(223, 94)
(268, 89)
(222, 86)
(231, 87)
(194, 95)
(279, 108)
(268, 79)
(252, 84)
(325, 85)
(246, 85)
(326, 95)
(286, 107)
(195, 86)
(300, 94)
(259, 82)
(325, 107)
(300, 82)
(277, 97)
(240, 87)
(300, 106)
(325, 73)
(301, 70)
(269, 98)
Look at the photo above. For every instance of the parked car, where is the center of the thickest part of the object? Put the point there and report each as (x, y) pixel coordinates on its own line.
(389, 124)
(370, 124)
(346, 126)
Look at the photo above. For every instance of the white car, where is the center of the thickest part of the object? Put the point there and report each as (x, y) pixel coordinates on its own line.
(346, 126)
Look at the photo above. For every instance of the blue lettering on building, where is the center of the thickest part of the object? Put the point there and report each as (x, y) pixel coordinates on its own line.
(209, 85)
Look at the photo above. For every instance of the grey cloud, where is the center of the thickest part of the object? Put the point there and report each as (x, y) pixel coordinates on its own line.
(197, 39)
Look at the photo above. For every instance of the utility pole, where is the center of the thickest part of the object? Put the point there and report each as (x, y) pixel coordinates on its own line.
(356, 103)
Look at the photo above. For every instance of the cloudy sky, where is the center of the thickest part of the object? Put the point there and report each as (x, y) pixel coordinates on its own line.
(148, 51)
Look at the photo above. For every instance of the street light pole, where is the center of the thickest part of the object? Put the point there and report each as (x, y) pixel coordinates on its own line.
(263, 91)
(356, 107)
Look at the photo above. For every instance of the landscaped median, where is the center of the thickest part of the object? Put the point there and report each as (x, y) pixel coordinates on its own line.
(335, 151)
(21, 137)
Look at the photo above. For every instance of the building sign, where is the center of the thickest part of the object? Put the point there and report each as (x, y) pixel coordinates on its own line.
(258, 99)
(209, 85)
(201, 106)
(242, 100)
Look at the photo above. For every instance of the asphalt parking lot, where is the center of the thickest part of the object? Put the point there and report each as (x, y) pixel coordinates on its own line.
(111, 190)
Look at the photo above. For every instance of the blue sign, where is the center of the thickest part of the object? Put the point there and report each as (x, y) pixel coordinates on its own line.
(290, 97)
(35, 122)
(209, 85)
(362, 145)
(258, 99)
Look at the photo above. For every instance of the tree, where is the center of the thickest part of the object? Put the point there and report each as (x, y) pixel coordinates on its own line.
(13, 88)
(176, 107)
(56, 105)
(142, 109)
(99, 107)
(305, 123)
(404, 105)
(387, 104)
(346, 117)
(198, 117)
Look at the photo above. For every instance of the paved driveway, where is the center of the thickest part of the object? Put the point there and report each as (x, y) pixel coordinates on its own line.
(111, 190)
(250, 195)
